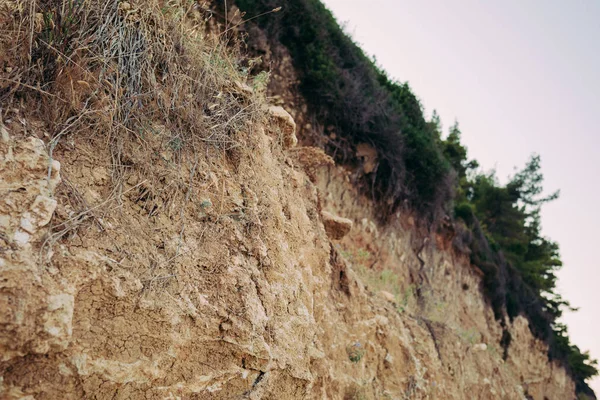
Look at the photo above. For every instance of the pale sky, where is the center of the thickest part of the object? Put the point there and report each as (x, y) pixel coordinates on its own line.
(520, 77)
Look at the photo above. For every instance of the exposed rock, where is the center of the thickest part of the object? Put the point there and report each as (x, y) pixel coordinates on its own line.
(286, 124)
(526, 354)
(39, 214)
(36, 315)
(336, 227)
(381, 259)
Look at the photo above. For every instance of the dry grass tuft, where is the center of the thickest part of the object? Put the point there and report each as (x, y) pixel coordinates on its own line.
(118, 66)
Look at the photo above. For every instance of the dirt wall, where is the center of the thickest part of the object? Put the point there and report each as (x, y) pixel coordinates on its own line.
(208, 273)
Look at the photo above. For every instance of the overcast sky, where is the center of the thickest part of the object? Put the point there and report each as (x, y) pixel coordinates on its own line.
(520, 77)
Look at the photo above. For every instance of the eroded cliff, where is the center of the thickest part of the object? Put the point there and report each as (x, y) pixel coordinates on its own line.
(155, 266)
(214, 278)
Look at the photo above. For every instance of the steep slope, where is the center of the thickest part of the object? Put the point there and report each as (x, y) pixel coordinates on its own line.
(164, 237)
(235, 292)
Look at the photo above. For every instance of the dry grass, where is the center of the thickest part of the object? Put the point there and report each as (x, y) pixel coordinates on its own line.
(142, 72)
(117, 66)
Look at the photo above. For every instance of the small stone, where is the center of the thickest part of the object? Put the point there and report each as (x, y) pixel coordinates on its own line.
(387, 296)
(21, 237)
(336, 227)
(41, 210)
(388, 358)
(26, 224)
(480, 347)
(225, 326)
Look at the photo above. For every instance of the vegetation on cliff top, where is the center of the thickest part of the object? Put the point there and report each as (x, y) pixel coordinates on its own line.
(498, 224)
